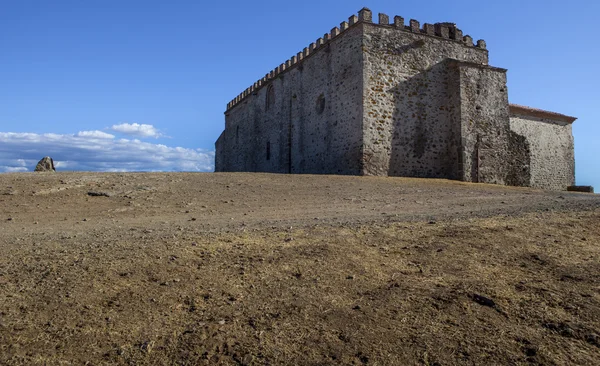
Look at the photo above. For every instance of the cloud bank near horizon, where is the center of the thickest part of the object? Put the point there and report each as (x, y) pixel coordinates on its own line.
(98, 151)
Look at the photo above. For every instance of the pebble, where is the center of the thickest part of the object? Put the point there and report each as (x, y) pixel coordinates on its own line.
(247, 360)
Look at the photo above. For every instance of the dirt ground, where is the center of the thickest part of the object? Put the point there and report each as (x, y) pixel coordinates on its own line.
(263, 269)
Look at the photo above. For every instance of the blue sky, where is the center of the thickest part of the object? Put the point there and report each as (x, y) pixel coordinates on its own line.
(142, 85)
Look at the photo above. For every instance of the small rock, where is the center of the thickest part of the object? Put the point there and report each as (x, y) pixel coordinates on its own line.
(222, 322)
(530, 351)
(247, 360)
(536, 257)
(567, 331)
(350, 277)
(147, 346)
(593, 339)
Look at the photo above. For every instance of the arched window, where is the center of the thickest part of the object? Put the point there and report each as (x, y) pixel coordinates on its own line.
(320, 104)
(270, 97)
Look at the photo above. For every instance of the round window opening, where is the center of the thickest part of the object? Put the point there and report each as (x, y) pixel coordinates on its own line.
(320, 104)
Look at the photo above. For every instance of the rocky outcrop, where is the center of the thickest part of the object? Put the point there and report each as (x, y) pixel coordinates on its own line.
(45, 165)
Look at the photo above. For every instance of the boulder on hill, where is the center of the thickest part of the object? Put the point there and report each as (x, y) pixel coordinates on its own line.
(45, 165)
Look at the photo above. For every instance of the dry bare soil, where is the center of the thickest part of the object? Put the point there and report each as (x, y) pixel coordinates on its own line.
(259, 269)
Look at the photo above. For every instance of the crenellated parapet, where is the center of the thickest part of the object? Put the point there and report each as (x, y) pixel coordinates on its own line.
(448, 31)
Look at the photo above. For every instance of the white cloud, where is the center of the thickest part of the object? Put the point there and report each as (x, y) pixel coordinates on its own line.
(97, 151)
(95, 134)
(138, 130)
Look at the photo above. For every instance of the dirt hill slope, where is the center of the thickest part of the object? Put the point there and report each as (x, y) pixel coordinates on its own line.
(273, 269)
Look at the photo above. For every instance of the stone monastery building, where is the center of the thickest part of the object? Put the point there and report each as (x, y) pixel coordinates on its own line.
(388, 99)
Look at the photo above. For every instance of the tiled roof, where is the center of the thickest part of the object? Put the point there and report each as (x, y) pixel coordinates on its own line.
(540, 113)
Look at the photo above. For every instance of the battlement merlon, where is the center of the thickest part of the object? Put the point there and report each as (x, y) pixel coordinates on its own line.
(365, 15)
(442, 30)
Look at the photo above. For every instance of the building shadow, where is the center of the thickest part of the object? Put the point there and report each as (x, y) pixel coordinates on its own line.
(425, 131)
(451, 121)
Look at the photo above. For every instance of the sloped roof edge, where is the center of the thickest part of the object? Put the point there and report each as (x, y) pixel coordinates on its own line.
(540, 113)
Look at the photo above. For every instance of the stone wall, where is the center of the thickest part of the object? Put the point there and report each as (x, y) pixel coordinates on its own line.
(411, 99)
(552, 150)
(314, 124)
(491, 152)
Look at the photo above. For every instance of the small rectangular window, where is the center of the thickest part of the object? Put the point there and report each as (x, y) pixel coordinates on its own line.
(268, 150)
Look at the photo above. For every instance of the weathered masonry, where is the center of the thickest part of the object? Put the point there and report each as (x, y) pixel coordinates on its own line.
(391, 99)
